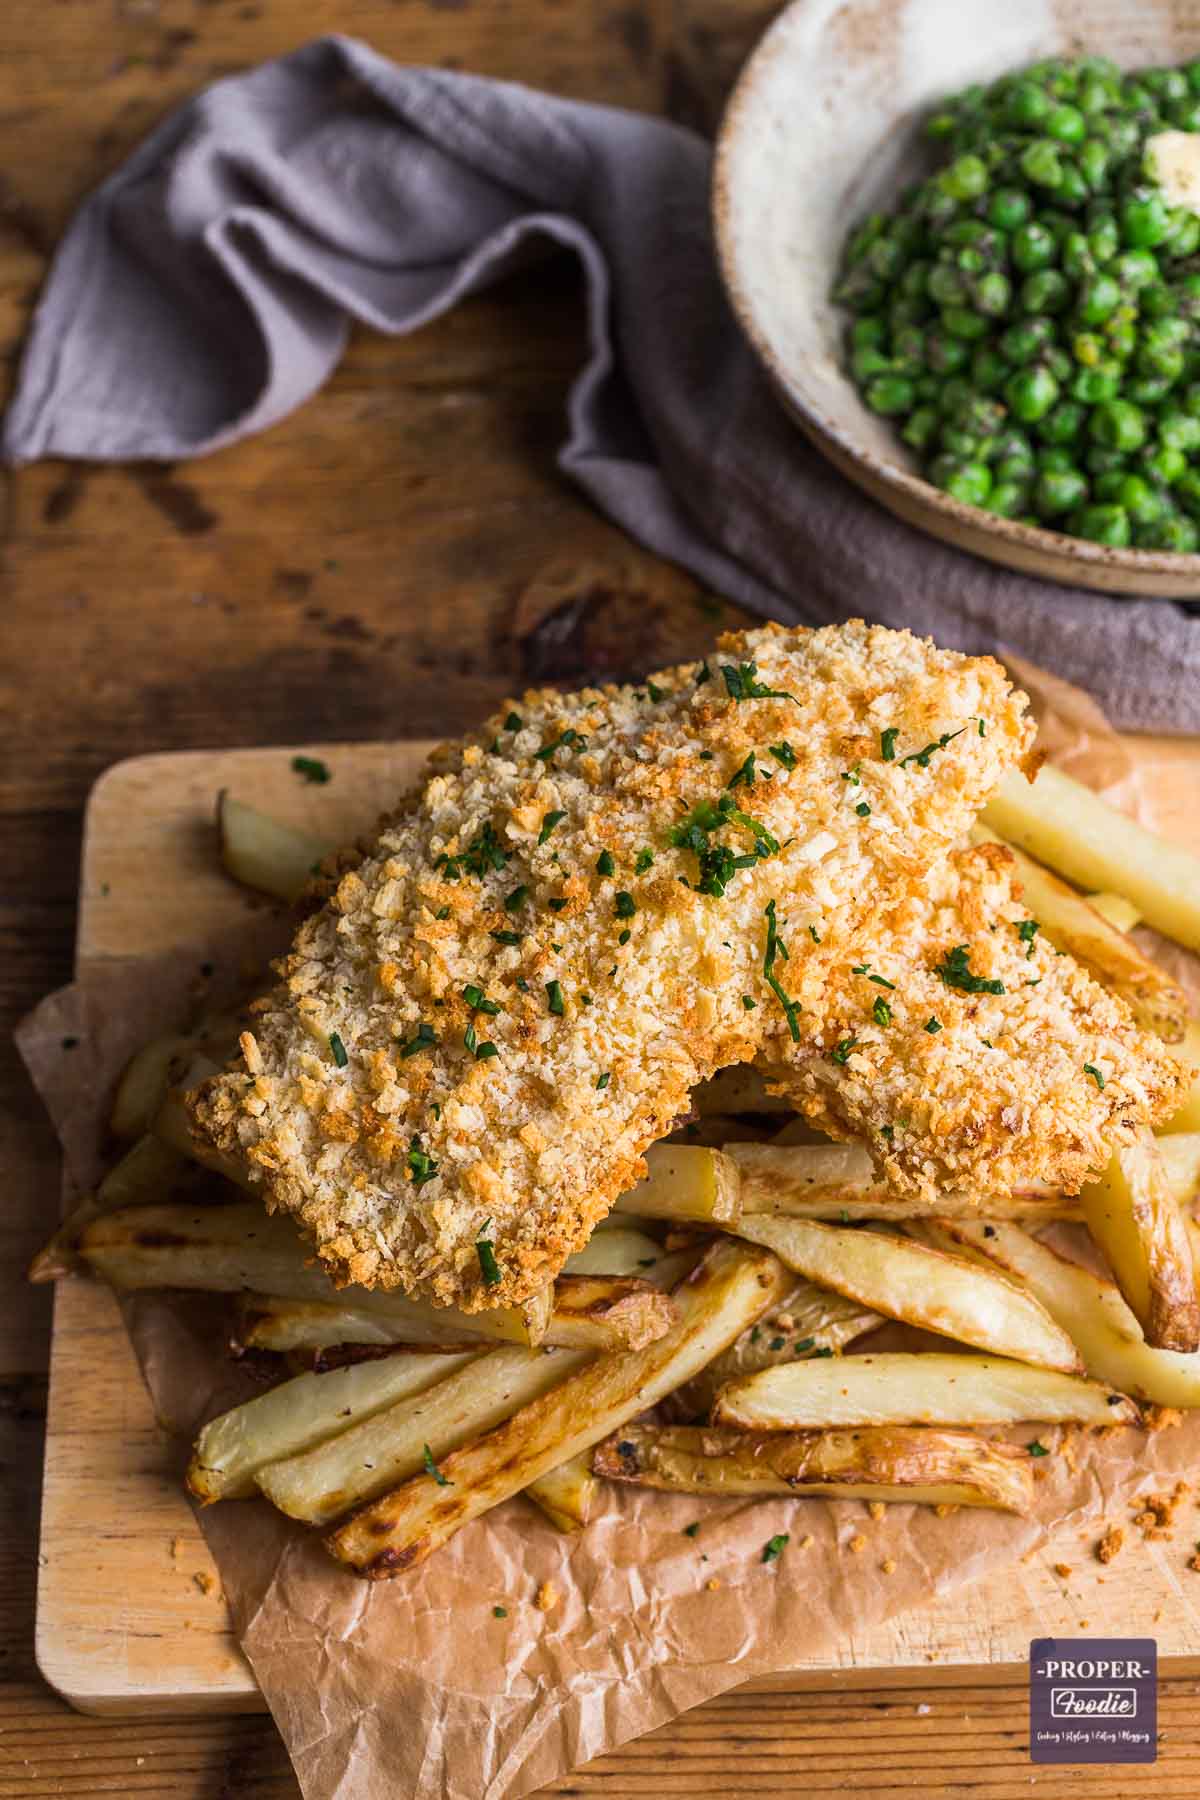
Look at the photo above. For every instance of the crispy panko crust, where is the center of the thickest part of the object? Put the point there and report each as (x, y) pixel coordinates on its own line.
(361, 1100)
(948, 1088)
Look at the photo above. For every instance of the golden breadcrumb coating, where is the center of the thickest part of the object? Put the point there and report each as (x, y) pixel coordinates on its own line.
(515, 990)
(954, 1088)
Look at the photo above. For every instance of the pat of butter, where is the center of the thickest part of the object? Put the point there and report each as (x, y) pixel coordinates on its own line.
(1173, 159)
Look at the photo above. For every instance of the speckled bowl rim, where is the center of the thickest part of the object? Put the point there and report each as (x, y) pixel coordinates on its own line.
(740, 105)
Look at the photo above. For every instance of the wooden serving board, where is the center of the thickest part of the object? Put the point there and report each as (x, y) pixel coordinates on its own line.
(130, 1614)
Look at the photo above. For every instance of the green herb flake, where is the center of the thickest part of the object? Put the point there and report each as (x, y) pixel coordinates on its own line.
(478, 1002)
(776, 948)
(605, 864)
(922, 757)
(842, 1050)
(933, 1025)
(423, 1039)
(655, 693)
(556, 905)
(431, 1468)
(511, 938)
(822, 1350)
(887, 743)
(743, 776)
(516, 898)
(499, 1612)
(489, 1268)
(421, 1166)
(742, 683)
(549, 821)
(776, 1343)
(706, 756)
(567, 740)
(803, 1346)
(1094, 1072)
(774, 1547)
(483, 853)
(623, 937)
(1037, 1449)
(956, 973)
(692, 1530)
(312, 769)
(602, 1081)
(644, 859)
(783, 753)
(703, 674)
(1027, 930)
(554, 997)
(881, 1012)
(863, 810)
(338, 1050)
(1035, 981)
(983, 727)
(624, 905)
(513, 722)
(486, 1051)
(887, 1132)
(852, 775)
(814, 934)
(749, 1003)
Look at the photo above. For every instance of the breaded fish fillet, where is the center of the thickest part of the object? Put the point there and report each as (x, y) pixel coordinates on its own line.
(962, 1048)
(514, 992)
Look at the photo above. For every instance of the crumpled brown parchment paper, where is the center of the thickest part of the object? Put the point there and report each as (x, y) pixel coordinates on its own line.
(414, 1687)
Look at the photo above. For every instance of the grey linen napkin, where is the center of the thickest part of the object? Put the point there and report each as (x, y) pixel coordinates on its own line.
(206, 289)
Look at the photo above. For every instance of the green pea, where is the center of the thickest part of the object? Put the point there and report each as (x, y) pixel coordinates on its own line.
(1170, 85)
(945, 354)
(945, 285)
(885, 258)
(961, 322)
(1063, 423)
(989, 370)
(1155, 300)
(955, 394)
(1099, 297)
(1026, 105)
(1171, 532)
(1093, 163)
(867, 363)
(963, 480)
(1045, 291)
(908, 350)
(1135, 269)
(967, 446)
(1185, 235)
(1055, 457)
(1072, 189)
(1101, 382)
(868, 334)
(1102, 525)
(1141, 501)
(1187, 492)
(992, 294)
(915, 280)
(1008, 208)
(1104, 238)
(1189, 399)
(966, 178)
(1031, 393)
(1033, 247)
(1040, 164)
(1192, 71)
(889, 394)
(1146, 390)
(1121, 135)
(1060, 365)
(1108, 486)
(1165, 463)
(1008, 499)
(1026, 339)
(1118, 425)
(1059, 491)
(1099, 461)
(1121, 336)
(1145, 219)
(865, 235)
(920, 428)
(1013, 444)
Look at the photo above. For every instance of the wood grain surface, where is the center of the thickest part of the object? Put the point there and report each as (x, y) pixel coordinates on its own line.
(385, 563)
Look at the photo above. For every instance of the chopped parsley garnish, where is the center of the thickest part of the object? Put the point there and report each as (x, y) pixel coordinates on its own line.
(471, 1039)
(823, 1350)
(1094, 1072)
(516, 898)
(783, 753)
(567, 740)
(776, 1343)
(557, 905)
(775, 1546)
(706, 756)
(421, 1166)
(743, 776)
(605, 864)
(624, 905)
(602, 1081)
(703, 674)
(882, 981)
(443, 912)
(777, 948)
(921, 757)
(431, 1468)
(624, 936)
(863, 810)
(956, 973)
(499, 1612)
(717, 862)
(644, 860)
(887, 743)
(749, 1003)
(478, 1002)
(549, 821)
(933, 1026)
(511, 938)
(486, 1051)
(881, 1012)
(1035, 981)
(853, 776)
(423, 1039)
(312, 769)
(842, 1049)
(484, 852)
(887, 1132)
(513, 722)
(805, 1344)
(1037, 1449)
(983, 727)
(554, 997)
(489, 1268)
(655, 693)
(692, 1530)
(338, 1050)
(1027, 930)
(814, 934)
(742, 684)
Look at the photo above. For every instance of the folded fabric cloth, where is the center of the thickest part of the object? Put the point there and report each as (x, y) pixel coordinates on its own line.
(206, 289)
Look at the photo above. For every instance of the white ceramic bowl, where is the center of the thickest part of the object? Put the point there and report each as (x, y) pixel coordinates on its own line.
(822, 128)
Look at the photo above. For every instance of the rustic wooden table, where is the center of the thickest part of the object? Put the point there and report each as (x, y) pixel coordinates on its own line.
(389, 562)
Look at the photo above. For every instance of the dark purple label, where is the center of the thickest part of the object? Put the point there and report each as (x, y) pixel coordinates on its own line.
(1093, 1700)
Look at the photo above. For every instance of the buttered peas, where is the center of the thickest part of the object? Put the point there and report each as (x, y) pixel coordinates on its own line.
(1029, 315)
